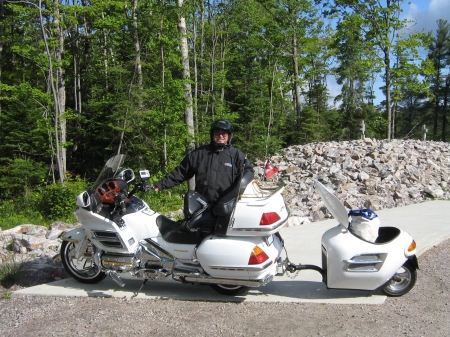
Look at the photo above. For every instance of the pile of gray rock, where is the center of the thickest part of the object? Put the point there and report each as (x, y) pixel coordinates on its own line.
(367, 173)
(36, 249)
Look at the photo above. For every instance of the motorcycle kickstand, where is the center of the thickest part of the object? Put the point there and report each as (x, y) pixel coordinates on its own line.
(142, 285)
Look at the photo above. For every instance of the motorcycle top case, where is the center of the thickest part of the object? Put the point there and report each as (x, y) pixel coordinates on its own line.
(258, 212)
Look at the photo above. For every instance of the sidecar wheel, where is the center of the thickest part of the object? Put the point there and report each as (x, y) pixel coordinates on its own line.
(83, 270)
(230, 290)
(402, 282)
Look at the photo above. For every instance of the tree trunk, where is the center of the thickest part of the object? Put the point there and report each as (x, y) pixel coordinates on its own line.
(296, 83)
(387, 72)
(55, 96)
(444, 109)
(105, 54)
(61, 89)
(188, 113)
(137, 49)
(194, 50)
(163, 83)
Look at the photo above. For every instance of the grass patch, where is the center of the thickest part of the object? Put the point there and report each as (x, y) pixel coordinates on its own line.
(10, 271)
(6, 295)
(17, 212)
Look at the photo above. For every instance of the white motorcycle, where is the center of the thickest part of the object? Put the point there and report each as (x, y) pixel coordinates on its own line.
(234, 246)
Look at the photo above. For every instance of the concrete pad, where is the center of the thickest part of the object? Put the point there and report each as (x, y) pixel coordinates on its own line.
(276, 291)
(427, 222)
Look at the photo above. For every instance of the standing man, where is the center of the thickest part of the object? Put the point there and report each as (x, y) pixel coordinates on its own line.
(216, 166)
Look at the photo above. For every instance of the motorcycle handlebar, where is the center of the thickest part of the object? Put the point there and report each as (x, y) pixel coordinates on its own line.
(141, 186)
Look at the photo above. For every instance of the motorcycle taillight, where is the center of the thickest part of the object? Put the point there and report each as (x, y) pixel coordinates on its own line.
(257, 256)
(269, 218)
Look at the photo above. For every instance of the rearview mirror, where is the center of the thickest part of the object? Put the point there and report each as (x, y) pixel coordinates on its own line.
(127, 175)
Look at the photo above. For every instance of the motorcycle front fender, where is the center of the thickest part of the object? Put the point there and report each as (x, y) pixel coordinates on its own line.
(78, 237)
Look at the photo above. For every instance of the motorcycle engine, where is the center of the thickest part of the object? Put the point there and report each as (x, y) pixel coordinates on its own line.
(118, 262)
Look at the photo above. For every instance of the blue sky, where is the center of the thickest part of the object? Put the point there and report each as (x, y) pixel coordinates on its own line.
(424, 13)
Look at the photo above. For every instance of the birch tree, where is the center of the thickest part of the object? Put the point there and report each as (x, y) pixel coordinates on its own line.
(188, 112)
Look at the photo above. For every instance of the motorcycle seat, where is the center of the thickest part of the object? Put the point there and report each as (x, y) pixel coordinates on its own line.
(170, 229)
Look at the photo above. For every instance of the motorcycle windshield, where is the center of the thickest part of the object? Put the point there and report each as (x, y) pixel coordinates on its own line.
(336, 208)
(110, 169)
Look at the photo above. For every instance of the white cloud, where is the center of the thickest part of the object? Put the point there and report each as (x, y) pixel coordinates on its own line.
(425, 13)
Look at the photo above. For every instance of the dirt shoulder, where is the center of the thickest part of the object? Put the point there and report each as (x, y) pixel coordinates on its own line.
(425, 311)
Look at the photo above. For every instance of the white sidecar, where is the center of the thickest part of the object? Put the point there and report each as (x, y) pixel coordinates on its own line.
(349, 262)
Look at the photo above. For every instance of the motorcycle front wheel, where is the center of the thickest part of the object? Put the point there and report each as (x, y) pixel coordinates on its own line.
(83, 270)
(402, 282)
(230, 290)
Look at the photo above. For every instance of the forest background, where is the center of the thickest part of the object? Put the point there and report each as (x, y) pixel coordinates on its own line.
(81, 81)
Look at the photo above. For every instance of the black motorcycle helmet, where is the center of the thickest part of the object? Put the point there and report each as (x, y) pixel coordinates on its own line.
(221, 124)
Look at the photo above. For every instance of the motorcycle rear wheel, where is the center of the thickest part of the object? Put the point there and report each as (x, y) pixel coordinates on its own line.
(402, 282)
(230, 290)
(83, 270)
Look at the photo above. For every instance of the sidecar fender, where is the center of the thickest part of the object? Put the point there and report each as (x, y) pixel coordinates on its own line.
(413, 260)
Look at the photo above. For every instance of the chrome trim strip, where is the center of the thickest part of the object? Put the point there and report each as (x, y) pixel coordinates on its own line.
(106, 238)
(246, 268)
(161, 249)
(365, 263)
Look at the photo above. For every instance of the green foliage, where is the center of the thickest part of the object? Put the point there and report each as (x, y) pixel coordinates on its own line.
(166, 200)
(124, 85)
(17, 176)
(57, 202)
(42, 205)
(19, 211)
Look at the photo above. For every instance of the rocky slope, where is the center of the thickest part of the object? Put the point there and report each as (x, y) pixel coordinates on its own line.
(362, 174)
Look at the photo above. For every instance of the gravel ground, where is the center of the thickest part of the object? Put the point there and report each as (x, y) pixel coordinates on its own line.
(425, 311)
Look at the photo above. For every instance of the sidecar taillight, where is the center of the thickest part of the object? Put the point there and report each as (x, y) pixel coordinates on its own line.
(269, 218)
(257, 256)
(412, 246)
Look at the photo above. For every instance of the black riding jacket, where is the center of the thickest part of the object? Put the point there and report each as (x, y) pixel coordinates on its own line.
(215, 170)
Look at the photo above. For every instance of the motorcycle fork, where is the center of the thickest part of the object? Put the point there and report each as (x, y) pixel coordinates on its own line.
(80, 248)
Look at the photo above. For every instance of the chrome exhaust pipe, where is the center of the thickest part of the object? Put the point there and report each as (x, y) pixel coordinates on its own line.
(213, 280)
